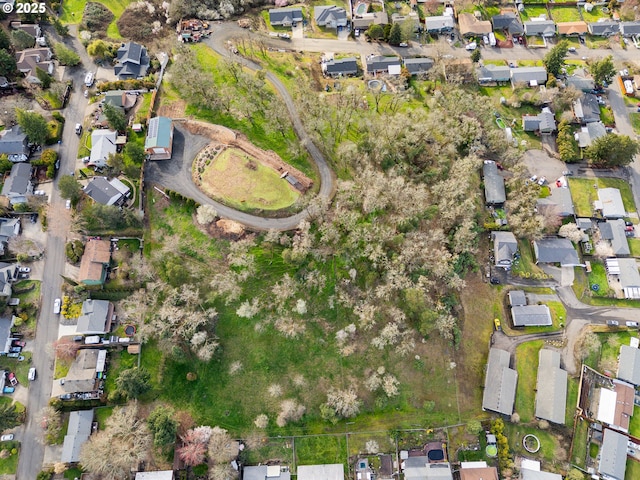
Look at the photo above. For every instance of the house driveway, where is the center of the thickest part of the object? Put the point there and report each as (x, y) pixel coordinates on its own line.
(297, 31)
(539, 163)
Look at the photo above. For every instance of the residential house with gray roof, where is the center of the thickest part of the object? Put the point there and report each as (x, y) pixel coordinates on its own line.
(551, 394)
(14, 143)
(380, 64)
(332, 471)
(590, 133)
(107, 192)
(629, 363)
(364, 21)
(586, 109)
(6, 323)
(421, 468)
(18, 184)
(265, 472)
(544, 122)
(330, 16)
(559, 201)
(531, 76)
(610, 203)
(341, 67)
(505, 247)
(613, 455)
(9, 227)
(78, 433)
(418, 65)
(494, 74)
(517, 298)
(606, 28)
(556, 250)
(494, 192)
(628, 29)
(508, 22)
(95, 317)
(8, 274)
(582, 84)
(531, 316)
(540, 28)
(613, 231)
(439, 24)
(29, 60)
(132, 61)
(285, 17)
(629, 277)
(500, 383)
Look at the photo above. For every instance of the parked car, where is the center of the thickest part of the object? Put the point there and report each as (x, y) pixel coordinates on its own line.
(12, 379)
(32, 374)
(78, 129)
(403, 44)
(18, 343)
(612, 323)
(15, 349)
(67, 204)
(542, 181)
(23, 276)
(632, 324)
(56, 306)
(471, 46)
(8, 389)
(6, 438)
(496, 323)
(24, 269)
(13, 355)
(571, 49)
(567, 173)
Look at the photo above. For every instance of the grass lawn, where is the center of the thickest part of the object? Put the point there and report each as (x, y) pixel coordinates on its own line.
(580, 443)
(548, 442)
(598, 42)
(606, 115)
(530, 63)
(21, 369)
(73, 473)
(565, 14)
(611, 349)
(321, 450)
(572, 400)
(593, 15)
(61, 369)
(72, 10)
(102, 413)
(117, 363)
(9, 465)
(598, 276)
(245, 183)
(633, 470)
(533, 12)
(635, 121)
(527, 366)
(634, 425)
(584, 194)
(144, 108)
(526, 265)
(634, 246)
(85, 144)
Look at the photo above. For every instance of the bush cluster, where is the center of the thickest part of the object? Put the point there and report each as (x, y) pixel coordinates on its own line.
(96, 17)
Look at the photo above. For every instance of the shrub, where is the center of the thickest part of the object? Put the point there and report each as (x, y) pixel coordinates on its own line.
(54, 132)
(96, 17)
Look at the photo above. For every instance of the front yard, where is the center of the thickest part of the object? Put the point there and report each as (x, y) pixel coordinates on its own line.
(584, 191)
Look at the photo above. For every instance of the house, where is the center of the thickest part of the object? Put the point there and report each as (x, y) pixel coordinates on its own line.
(494, 74)
(419, 65)
(8, 273)
(471, 26)
(590, 133)
(342, 67)
(539, 27)
(494, 192)
(439, 24)
(628, 364)
(610, 202)
(586, 108)
(9, 227)
(285, 17)
(613, 455)
(605, 28)
(84, 371)
(532, 76)
(6, 323)
(78, 433)
(14, 143)
(380, 64)
(559, 200)
(537, 474)
(500, 383)
(330, 16)
(544, 122)
(517, 298)
(508, 22)
(157, 475)
(615, 405)
(614, 232)
(28, 61)
(364, 21)
(32, 29)
(132, 61)
(334, 471)
(95, 262)
(628, 29)
(505, 247)
(477, 471)
(551, 394)
(531, 316)
(556, 250)
(95, 317)
(582, 84)
(266, 472)
(159, 142)
(120, 99)
(18, 184)
(420, 468)
(573, 28)
(107, 192)
(629, 278)
(103, 144)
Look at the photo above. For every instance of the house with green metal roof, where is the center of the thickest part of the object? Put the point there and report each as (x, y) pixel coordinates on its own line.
(159, 142)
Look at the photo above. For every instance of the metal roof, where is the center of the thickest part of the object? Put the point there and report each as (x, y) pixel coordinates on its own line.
(551, 395)
(500, 383)
(612, 206)
(264, 472)
(629, 364)
(531, 316)
(78, 433)
(613, 455)
(494, 191)
(159, 133)
(334, 471)
(546, 28)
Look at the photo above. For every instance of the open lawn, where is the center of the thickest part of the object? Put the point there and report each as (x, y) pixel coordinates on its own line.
(565, 14)
(584, 193)
(527, 366)
(548, 442)
(633, 470)
(635, 121)
(102, 413)
(581, 432)
(634, 425)
(21, 369)
(572, 400)
(145, 106)
(526, 266)
(606, 115)
(634, 246)
(598, 42)
(533, 12)
(598, 276)
(72, 10)
(611, 349)
(9, 465)
(245, 183)
(593, 16)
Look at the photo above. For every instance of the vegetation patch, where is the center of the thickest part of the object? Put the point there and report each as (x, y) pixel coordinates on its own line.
(565, 14)
(527, 366)
(635, 121)
(580, 437)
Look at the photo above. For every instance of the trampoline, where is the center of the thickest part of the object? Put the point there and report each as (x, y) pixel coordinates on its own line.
(129, 330)
(435, 455)
(361, 9)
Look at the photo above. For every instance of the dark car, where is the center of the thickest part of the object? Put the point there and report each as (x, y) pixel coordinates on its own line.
(15, 349)
(628, 224)
(495, 281)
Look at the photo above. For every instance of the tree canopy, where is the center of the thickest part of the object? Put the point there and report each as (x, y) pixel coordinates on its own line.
(7, 63)
(163, 426)
(70, 188)
(395, 35)
(603, 70)
(115, 117)
(65, 55)
(134, 382)
(612, 150)
(554, 60)
(9, 417)
(33, 125)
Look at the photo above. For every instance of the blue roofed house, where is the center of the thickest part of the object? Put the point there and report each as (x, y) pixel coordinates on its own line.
(132, 61)
(330, 16)
(605, 28)
(285, 17)
(544, 122)
(159, 142)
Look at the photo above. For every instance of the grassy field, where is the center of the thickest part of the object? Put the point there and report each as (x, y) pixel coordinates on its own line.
(9, 465)
(526, 265)
(549, 443)
(635, 121)
(634, 424)
(102, 413)
(533, 12)
(245, 183)
(572, 399)
(584, 194)
(634, 246)
(527, 366)
(598, 276)
(633, 470)
(606, 115)
(579, 453)
(593, 15)
(611, 349)
(565, 14)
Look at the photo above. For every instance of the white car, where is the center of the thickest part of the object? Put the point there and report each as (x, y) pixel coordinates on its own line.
(67, 205)
(6, 438)
(56, 306)
(32, 374)
(471, 46)
(88, 79)
(24, 270)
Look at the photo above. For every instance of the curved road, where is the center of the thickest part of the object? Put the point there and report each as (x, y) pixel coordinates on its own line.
(179, 179)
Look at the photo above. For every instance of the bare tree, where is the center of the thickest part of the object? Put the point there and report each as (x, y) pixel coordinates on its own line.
(344, 403)
(290, 411)
(222, 448)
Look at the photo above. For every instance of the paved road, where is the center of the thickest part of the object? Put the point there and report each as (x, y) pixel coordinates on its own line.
(31, 436)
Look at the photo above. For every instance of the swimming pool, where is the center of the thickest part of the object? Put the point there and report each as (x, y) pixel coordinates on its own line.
(361, 8)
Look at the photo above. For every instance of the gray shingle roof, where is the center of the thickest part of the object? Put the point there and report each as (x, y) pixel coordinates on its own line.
(342, 66)
(494, 191)
(545, 122)
(560, 199)
(285, 16)
(545, 28)
(613, 455)
(581, 83)
(504, 246)
(18, 181)
(379, 63)
(500, 383)
(604, 29)
(5, 334)
(551, 397)
(527, 74)
(333, 471)
(556, 250)
(13, 141)
(494, 73)
(94, 318)
(612, 205)
(264, 472)
(442, 23)
(586, 108)
(527, 474)
(418, 65)
(531, 316)
(630, 28)
(133, 61)
(517, 298)
(330, 14)
(77, 434)
(508, 21)
(619, 242)
(629, 364)
(101, 191)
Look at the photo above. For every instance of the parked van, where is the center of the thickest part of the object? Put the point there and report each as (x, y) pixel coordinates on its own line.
(32, 374)
(88, 79)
